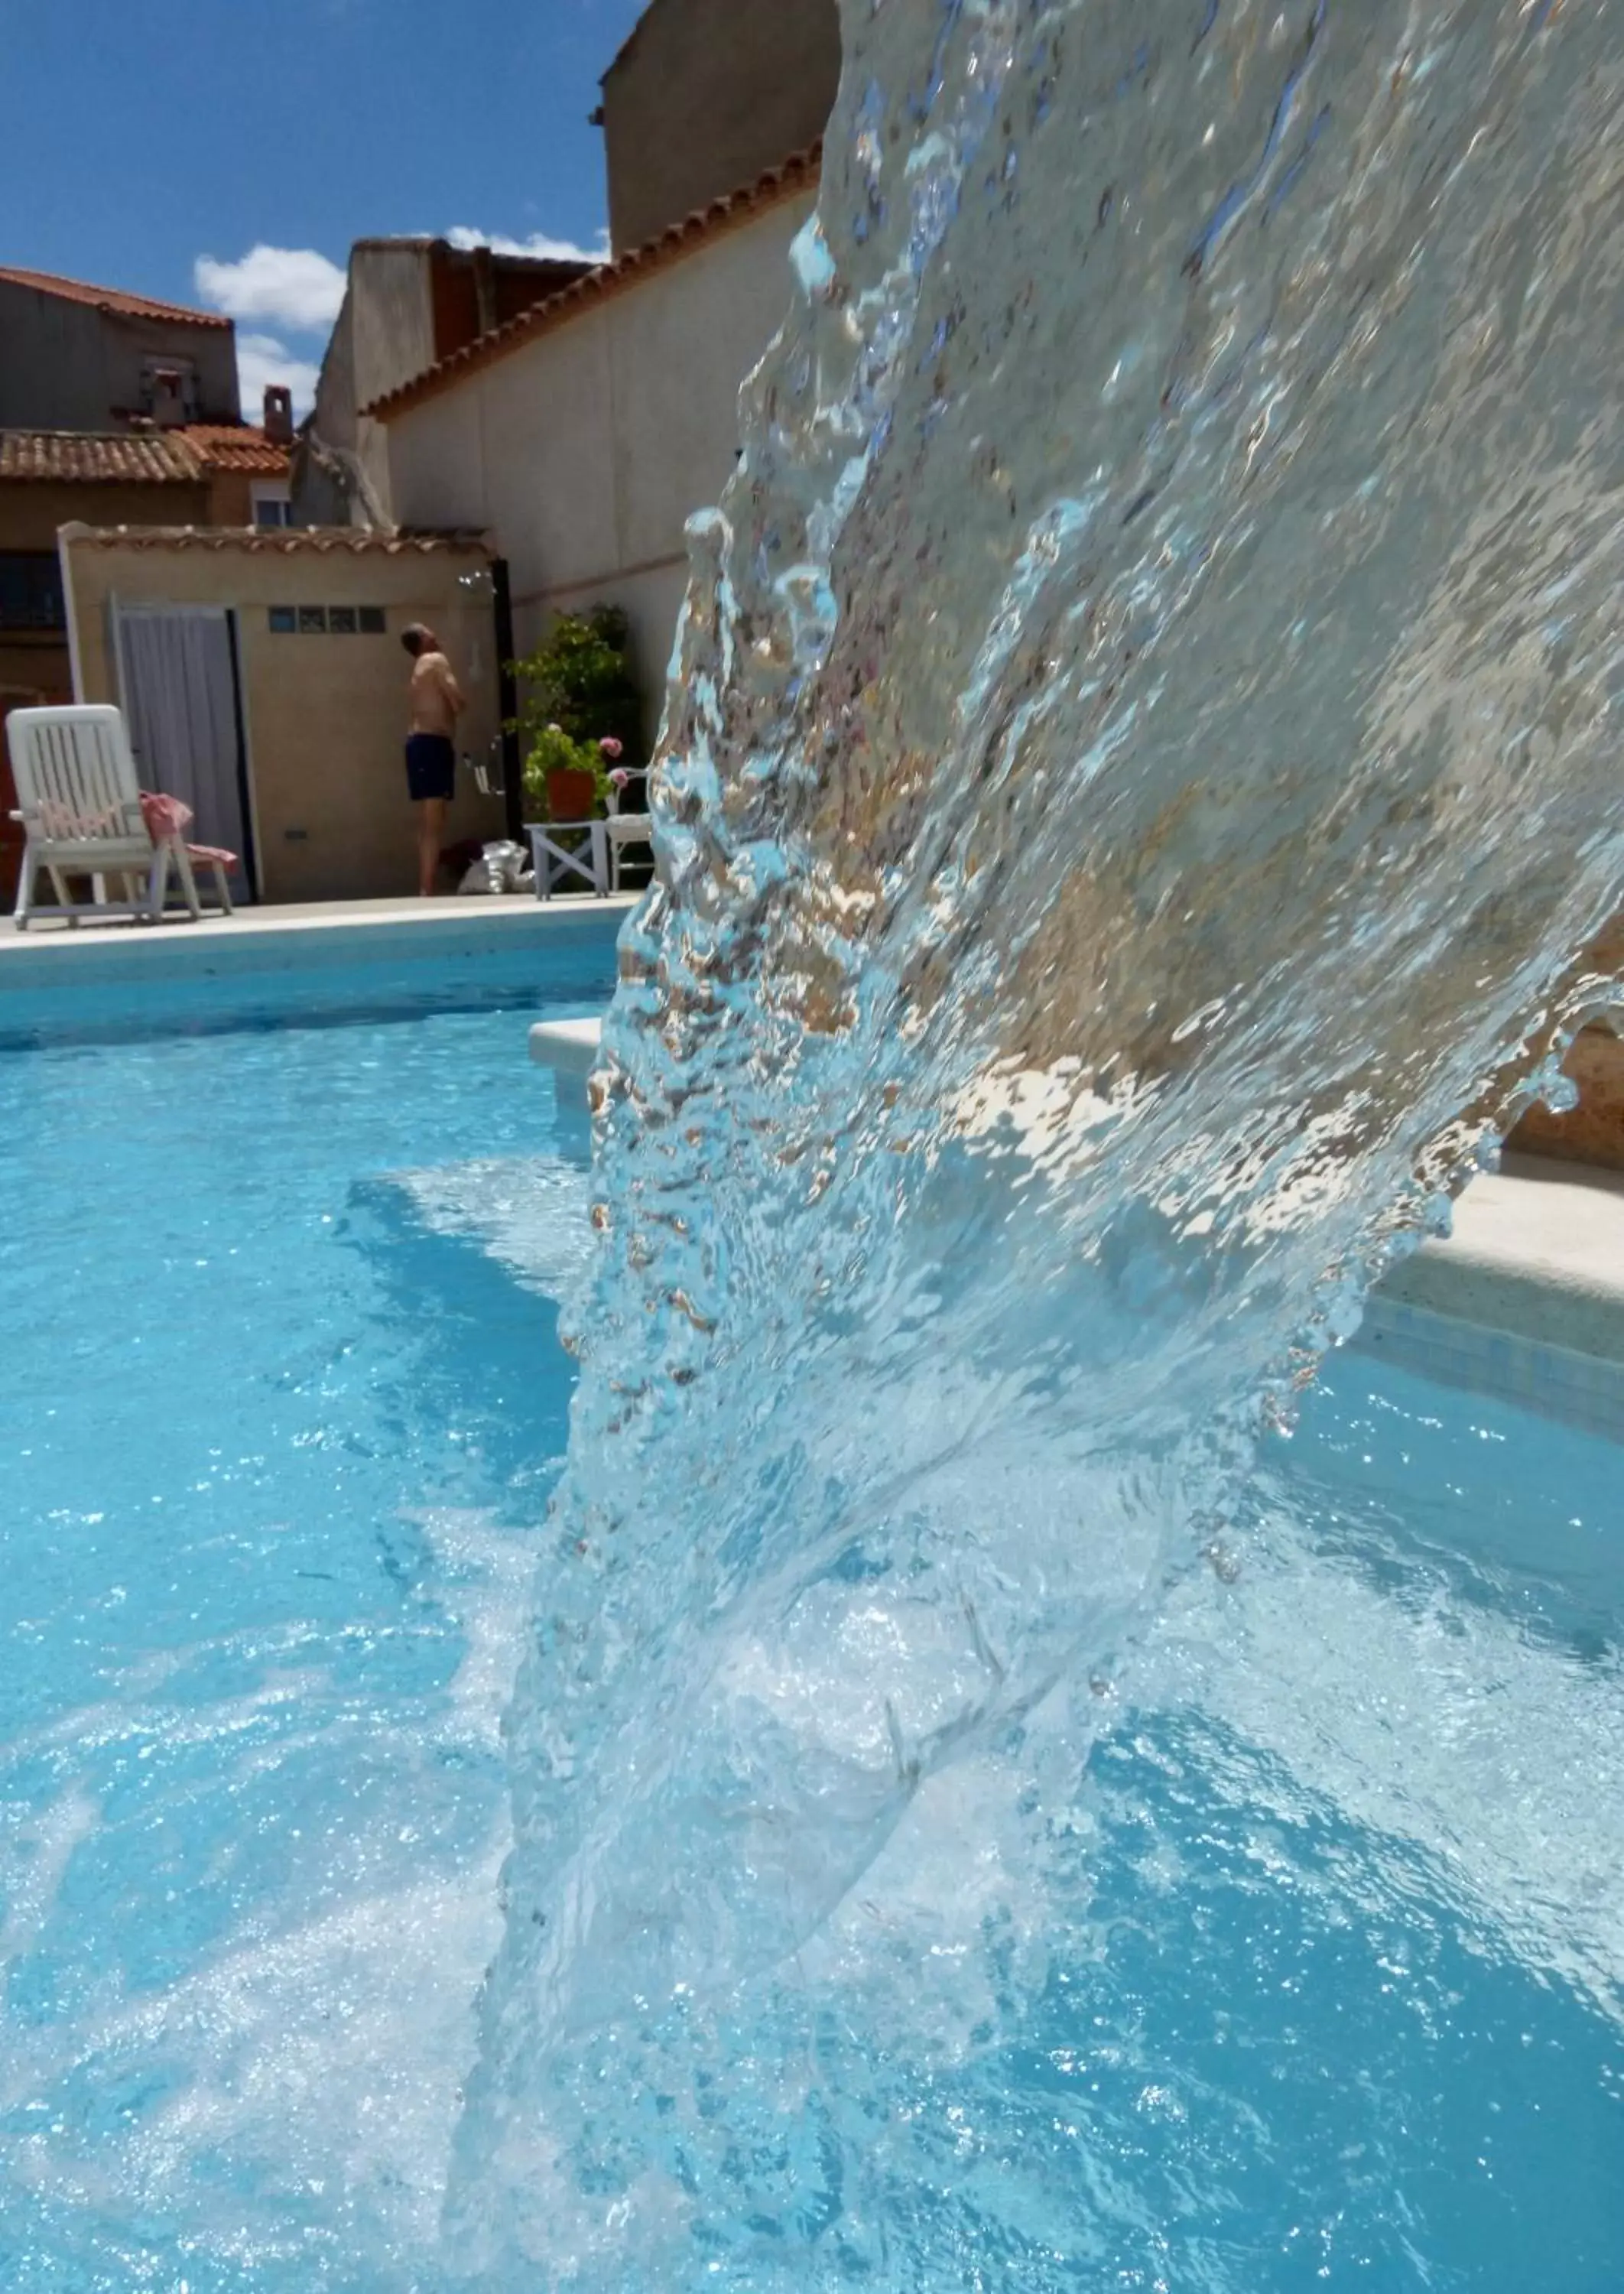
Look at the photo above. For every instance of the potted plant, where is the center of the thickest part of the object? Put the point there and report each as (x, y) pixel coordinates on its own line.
(580, 713)
(561, 774)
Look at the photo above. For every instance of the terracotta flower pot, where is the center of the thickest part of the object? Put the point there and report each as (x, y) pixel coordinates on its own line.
(570, 795)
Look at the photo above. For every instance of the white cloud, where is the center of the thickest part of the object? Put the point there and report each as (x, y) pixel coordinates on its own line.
(261, 359)
(539, 245)
(290, 287)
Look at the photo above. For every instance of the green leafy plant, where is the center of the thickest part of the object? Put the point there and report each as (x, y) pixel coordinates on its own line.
(576, 693)
(552, 751)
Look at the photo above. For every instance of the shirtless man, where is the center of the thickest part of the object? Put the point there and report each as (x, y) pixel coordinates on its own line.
(436, 703)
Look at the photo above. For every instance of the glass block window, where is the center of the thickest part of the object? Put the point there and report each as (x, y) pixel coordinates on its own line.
(325, 621)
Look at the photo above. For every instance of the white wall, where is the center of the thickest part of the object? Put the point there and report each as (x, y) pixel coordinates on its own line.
(585, 449)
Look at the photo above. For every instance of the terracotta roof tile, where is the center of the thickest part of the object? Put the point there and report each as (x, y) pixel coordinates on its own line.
(188, 456)
(110, 298)
(91, 458)
(275, 541)
(796, 175)
(237, 446)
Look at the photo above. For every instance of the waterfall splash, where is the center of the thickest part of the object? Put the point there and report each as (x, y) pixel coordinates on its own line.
(1141, 755)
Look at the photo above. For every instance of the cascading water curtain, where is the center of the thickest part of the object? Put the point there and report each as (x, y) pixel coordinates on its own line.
(1141, 755)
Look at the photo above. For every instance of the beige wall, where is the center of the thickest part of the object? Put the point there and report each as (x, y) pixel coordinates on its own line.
(748, 84)
(325, 715)
(584, 451)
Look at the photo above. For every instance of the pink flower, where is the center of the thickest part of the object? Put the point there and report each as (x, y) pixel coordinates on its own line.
(620, 777)
(610, 746)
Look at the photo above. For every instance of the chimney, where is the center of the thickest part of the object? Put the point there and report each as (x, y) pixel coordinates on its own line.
(278, 414)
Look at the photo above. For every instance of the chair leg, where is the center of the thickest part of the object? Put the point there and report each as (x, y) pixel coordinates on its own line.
(157, 884)
(224, 889)
(189, 882)
(24, 909)
(64, 897)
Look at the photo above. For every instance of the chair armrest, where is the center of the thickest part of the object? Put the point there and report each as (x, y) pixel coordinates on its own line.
(618, 795)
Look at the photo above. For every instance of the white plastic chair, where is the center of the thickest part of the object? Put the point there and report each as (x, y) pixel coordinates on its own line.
(624, 828)
(79, 801)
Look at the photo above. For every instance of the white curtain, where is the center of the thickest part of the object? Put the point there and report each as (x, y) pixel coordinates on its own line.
(179, 698)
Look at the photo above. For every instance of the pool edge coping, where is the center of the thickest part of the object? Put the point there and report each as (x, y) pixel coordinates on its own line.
(39, 958)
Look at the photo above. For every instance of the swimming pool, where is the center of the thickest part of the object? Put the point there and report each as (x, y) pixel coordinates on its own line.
(1337, 2000)
(281, 1402)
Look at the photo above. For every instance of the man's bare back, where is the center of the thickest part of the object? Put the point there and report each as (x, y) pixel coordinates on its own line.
(436, 699)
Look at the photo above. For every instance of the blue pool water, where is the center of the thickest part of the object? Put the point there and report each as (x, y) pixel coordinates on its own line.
(1333, 1995)
(282, 1397)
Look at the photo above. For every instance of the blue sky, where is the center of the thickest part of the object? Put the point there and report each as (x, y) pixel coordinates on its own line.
(141, 142)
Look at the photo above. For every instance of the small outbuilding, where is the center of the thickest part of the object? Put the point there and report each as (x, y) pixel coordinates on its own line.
(264, 682)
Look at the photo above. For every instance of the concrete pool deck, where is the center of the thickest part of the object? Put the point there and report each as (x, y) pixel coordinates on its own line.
(255, 924)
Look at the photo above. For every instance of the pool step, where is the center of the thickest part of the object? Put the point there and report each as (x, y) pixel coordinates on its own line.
(1525, 1297)
(1524, 1301)
(1537, 1249)
(568, 1047)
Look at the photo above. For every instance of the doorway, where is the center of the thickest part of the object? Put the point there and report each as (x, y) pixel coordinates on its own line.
(182, 692)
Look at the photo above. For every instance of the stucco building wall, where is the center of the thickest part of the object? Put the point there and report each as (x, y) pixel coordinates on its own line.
(708, 94)
(408, 303)
(584, 450)
(67, 365)
(383, 331)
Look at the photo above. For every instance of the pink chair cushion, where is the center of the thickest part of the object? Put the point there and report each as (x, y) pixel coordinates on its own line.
(166, 817)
